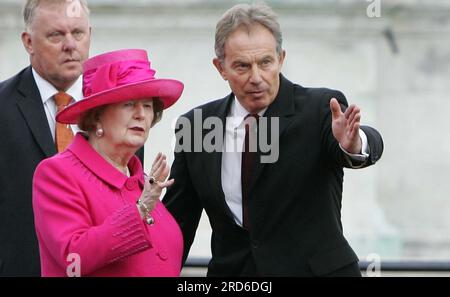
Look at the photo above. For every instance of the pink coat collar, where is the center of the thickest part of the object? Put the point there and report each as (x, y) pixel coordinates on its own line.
(81, 148)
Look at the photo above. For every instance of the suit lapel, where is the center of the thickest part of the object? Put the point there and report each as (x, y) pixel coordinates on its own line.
(213, 161)
(282, 108)
(30, 104)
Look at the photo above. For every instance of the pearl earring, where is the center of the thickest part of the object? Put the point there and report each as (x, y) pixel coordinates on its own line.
(99, 132)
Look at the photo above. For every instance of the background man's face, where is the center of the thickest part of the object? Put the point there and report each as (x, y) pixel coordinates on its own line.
(58, 43)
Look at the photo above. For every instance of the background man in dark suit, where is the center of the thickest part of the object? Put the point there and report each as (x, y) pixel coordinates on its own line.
(278, 218)
(57, 39)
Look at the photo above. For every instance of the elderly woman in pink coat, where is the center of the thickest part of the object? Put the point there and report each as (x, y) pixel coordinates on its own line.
(96, 212)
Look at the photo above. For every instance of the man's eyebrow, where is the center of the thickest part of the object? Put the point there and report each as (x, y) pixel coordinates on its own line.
(239, 61)
(266, 57)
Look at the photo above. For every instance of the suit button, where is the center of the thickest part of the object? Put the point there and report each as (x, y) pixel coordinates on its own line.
(131, 184)
(162, 255)
(255, 244)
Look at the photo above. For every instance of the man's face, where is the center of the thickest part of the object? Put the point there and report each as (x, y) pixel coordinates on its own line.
(252, 66)
(58, 43)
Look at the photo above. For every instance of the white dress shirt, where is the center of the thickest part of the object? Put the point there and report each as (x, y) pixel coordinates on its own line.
(47, 91)
(232, 157)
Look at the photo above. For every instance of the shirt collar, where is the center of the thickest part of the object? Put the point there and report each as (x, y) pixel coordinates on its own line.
(238, 113)
(47, 90)
(81, 148)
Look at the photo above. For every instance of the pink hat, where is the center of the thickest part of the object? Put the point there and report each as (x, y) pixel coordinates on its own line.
(118, 76)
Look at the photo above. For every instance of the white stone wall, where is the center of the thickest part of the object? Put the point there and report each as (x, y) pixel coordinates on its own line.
(395, 67)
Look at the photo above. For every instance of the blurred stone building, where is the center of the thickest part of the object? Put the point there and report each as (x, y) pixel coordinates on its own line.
(392, 58)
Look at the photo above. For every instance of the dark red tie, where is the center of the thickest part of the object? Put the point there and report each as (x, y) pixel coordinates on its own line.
(248, 154)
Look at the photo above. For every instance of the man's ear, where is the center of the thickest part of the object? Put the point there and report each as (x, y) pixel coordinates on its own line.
(282, 56)
(26, 41)
(219, 68)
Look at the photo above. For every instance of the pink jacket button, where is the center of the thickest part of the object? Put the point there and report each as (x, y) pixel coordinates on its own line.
(131, 184)
(162, 255)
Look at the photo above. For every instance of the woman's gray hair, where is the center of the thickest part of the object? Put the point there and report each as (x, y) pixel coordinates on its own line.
(247, 15)
(29, 9)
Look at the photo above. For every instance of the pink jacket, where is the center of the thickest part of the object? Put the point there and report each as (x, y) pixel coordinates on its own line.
(85, 209)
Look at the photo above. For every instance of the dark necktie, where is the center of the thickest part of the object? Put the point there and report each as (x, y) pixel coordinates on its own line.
(248, 154)
(63, 132)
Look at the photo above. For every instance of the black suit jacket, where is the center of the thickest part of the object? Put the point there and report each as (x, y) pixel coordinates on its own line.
(26, 140)
(294, 203)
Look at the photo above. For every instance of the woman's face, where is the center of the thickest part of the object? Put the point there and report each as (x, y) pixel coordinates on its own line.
(127, 124)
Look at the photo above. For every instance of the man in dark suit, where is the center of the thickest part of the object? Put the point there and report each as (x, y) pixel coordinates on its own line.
(57, 39)
(279, 215)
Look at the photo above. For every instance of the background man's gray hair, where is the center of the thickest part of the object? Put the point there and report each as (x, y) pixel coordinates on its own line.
(30, 6)
(247, 15)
